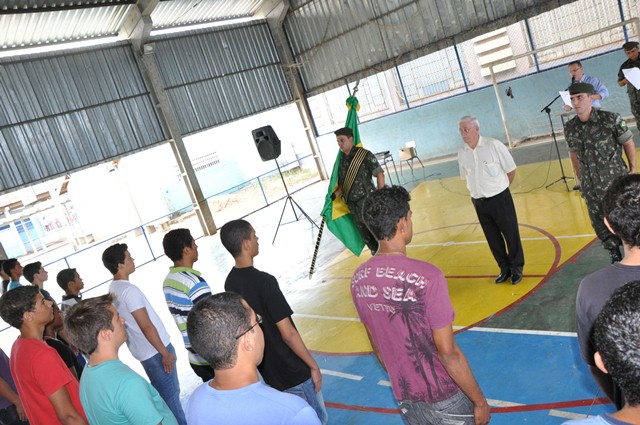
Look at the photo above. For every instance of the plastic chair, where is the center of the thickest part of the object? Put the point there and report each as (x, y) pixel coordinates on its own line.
(409, 153)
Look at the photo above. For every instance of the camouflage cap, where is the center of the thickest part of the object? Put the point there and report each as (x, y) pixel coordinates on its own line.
(630, 45)
(580, 88)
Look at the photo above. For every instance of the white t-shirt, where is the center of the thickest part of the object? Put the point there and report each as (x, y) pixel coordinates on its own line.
(129, 298)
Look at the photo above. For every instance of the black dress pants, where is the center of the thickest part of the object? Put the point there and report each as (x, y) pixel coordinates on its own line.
(497, 216)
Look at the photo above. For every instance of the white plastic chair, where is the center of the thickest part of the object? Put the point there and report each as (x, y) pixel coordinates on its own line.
(409, 153)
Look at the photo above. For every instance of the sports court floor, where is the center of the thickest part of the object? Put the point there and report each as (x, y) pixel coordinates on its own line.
(520, 340)
(528, 365)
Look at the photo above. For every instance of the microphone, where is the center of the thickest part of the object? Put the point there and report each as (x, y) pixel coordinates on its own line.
(573, 81)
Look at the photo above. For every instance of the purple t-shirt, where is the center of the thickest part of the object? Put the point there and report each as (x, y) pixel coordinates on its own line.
(401, 300)
(5, 374)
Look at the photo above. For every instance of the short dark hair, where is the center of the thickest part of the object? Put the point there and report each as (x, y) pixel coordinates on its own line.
(30, 270)
(617, 337)
(224, 316)
(233, 233)
(575, 63)
(64, 277)
(621, 207)
(113, 256)
(383, 208)
(16, 302)
(84, 320)
(175, 242)
(344, 131)
(9, 265)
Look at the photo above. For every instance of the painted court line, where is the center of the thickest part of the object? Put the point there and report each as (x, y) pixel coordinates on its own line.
(384, 383)
(341, 374)
(452, 243)
(315, 316)
(502, 403)
(567, 415)
(521, 331)
(455, 327)
(549, 406)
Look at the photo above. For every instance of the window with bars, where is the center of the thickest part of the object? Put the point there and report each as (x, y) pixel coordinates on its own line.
(576, 19)
(438, 75)
(429, 75)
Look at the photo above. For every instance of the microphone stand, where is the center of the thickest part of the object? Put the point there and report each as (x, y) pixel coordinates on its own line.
(564, 178)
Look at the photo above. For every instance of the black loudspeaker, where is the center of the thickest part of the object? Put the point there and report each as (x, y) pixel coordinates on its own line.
(267, 142)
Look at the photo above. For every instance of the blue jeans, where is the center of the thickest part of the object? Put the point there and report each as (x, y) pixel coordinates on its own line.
(307, 391)
(456, 410)
(166, 383)
(9, 416)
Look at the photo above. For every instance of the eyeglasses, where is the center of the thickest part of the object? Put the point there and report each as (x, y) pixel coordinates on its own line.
(258, 322)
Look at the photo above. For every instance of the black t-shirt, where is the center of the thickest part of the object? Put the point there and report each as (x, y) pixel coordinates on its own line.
(65, 354)
(281, 368)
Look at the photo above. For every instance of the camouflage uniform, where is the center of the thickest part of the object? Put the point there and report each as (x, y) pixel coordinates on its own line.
(634, 94)
(598, 146)
(361, 187)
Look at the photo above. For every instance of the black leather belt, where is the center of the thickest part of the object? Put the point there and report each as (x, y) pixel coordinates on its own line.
(490, 197)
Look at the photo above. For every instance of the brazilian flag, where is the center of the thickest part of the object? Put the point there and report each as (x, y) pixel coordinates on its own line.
(336, 213)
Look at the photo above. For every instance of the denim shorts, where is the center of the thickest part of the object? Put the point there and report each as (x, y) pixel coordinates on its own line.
(456, 410)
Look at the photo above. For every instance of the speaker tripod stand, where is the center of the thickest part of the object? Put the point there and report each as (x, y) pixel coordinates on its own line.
(289, 199)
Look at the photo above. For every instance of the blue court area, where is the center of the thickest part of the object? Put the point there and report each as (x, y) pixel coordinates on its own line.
(528, 378)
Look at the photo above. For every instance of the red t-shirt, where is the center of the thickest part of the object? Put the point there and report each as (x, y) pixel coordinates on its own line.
(38, 372)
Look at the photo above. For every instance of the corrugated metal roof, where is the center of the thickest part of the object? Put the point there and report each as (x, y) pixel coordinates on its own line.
(65, 112)
(28, 6)
(37, 28)
(184, 12)
(26, 23)
(213, 77)
(334, 40)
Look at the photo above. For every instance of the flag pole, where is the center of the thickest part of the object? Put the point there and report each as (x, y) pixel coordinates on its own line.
(352, 122)
(315, 251)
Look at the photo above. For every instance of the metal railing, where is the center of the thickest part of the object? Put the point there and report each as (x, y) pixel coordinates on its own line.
(142, 239)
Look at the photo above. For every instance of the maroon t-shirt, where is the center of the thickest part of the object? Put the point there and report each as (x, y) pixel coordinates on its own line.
(401, 300)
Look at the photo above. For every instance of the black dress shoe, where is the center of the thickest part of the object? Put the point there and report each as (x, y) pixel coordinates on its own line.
(502, 277)
(516, 277)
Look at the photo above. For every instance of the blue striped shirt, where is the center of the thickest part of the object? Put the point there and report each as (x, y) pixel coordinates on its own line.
(182, 288)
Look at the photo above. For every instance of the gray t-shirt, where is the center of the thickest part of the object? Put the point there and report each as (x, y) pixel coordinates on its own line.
(593, 293)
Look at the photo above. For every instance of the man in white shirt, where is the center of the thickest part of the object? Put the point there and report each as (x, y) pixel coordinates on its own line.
(489, 169)
(148, 339)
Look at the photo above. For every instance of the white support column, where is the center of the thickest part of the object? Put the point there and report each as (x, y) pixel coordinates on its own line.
(501, 107)
(145, 56)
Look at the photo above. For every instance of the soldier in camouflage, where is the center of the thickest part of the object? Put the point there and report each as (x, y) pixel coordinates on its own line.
(631, 49)
(362, 183)
(596, 139)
